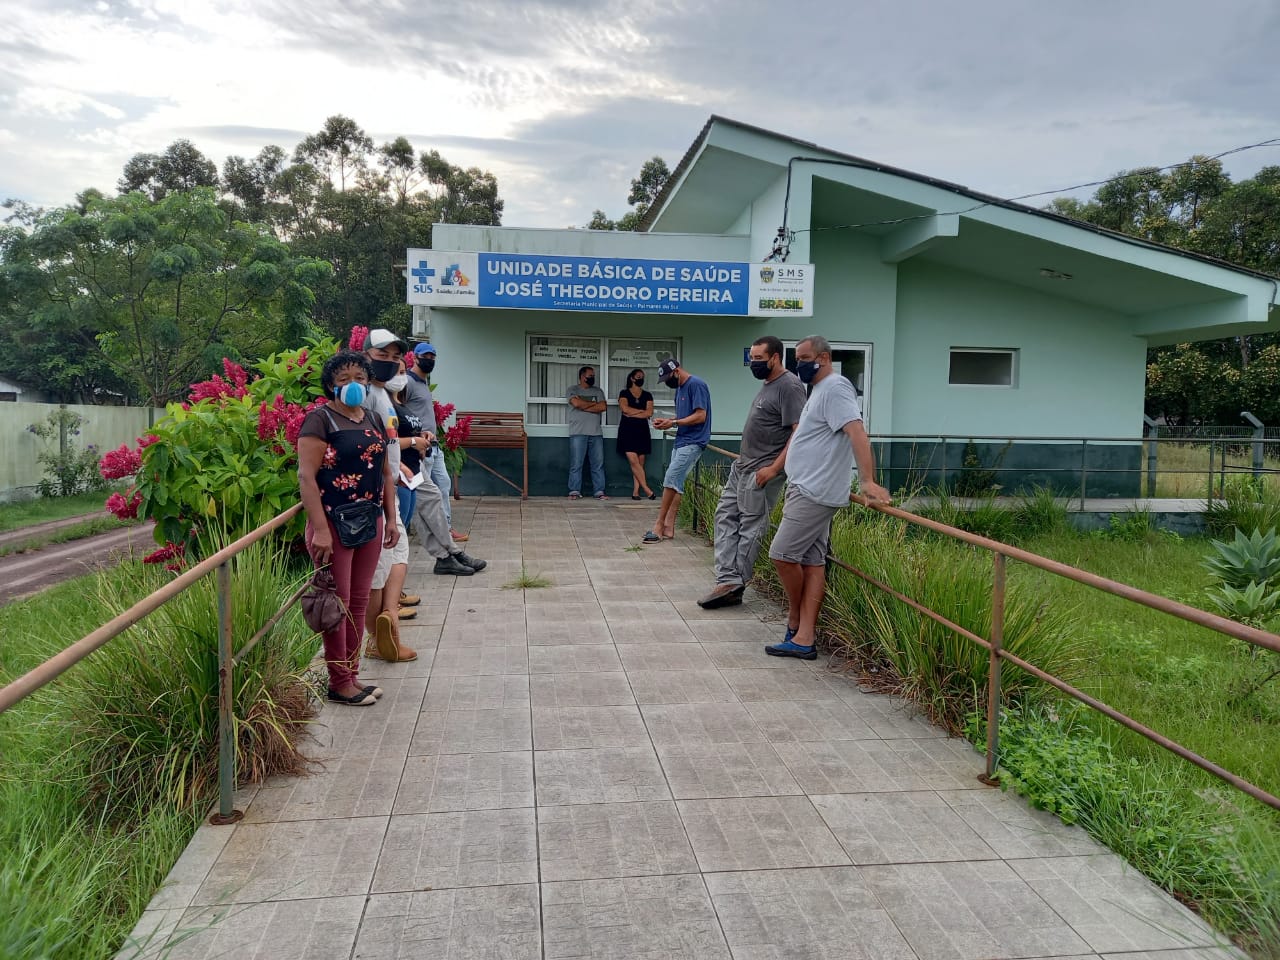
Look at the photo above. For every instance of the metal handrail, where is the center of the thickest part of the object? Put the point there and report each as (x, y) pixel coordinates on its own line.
(994, 645)
(61, 662)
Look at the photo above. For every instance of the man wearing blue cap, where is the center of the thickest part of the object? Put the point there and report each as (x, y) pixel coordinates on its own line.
(419, 400)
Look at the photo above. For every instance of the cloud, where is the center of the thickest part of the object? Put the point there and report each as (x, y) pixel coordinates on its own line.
(564, 99)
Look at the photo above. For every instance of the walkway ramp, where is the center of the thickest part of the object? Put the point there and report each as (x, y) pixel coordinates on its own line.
(600, 768)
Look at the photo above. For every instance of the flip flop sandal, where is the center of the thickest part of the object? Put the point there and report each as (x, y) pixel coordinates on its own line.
(650, 537)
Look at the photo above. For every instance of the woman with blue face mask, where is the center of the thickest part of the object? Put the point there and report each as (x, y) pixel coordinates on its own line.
(342, 459)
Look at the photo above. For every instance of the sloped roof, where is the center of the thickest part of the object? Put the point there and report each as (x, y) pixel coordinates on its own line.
(671, 187)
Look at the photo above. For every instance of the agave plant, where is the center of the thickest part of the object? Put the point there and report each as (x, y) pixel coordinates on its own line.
(1253, 604)
(1254, 559)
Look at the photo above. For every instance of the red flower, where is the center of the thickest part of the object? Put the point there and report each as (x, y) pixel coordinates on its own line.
(236, 374)
(119, 463)
(358, 336)
(170, 551)
(443, 412)
(147, 440)
(458, 434)
(122, 508)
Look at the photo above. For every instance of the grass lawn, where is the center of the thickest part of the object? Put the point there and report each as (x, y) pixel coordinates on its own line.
(13, 516)
(1182, 680)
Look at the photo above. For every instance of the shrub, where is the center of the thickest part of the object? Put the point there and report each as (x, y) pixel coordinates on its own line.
(67, 470)
(226, 459)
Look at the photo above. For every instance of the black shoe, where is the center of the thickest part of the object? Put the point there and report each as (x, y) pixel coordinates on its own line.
(472, 562)
(450, 567)
(727, 598)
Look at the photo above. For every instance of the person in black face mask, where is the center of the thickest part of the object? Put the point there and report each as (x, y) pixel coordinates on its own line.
(756, 478)
(635, 403)
(692, 424)
(587, 405)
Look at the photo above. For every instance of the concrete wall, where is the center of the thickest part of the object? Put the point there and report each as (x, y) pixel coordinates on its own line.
(104, 427)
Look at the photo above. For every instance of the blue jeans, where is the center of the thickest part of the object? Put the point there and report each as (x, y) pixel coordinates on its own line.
(440, 477)
(581, 445)
(404, 502)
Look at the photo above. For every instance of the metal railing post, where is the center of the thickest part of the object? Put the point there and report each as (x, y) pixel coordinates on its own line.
(993, 670)
(1084, 468)
(1222, 470)
(942, 480)
(1153, 443)
(226, 703)
(697, 492)
(1258, 435)
(1209, 494)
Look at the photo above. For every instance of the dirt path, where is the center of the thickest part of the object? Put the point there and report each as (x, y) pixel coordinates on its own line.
(22, 574)
(46, 528)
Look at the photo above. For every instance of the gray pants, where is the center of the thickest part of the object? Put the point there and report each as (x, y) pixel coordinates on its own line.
(430, 521)
(742, 515)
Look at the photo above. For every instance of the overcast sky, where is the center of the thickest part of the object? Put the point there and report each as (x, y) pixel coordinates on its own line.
(564, 99)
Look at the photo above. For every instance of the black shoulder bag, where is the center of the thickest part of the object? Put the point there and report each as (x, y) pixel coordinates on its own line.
(357, 521)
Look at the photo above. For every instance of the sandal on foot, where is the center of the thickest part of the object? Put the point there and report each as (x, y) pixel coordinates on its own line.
(650, 537)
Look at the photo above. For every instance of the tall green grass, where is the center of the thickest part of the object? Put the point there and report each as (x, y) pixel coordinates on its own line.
(108, 770)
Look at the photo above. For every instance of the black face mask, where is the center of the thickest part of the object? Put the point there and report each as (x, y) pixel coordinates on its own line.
(425, 365)
(384, 370)
(672, 382)
(806, 370)
(638, 381)
(590, 381)
(760, 369)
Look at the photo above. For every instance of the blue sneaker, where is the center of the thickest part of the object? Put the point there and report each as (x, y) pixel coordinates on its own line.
(788, 649)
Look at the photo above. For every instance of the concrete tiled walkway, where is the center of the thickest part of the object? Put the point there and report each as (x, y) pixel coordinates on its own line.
(600, 768)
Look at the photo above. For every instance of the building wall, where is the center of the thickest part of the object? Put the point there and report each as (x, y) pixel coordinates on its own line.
(1080, 372)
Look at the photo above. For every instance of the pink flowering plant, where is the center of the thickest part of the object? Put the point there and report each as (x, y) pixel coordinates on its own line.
(452, 437)
(226, 459)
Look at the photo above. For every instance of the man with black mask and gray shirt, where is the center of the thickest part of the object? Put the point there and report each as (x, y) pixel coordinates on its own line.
(756, 478)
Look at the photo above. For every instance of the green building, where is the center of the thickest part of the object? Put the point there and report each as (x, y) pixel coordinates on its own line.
(957, 315)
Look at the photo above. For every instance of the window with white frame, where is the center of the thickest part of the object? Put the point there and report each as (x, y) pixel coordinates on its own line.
(553, 362)
(983, 367)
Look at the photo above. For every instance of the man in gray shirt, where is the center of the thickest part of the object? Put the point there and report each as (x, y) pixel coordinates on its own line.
(756, 478)
(819, 464)
(587, 405)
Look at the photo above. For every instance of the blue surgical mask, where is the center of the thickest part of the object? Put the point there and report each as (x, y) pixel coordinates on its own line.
(806, 370)
(352, 394)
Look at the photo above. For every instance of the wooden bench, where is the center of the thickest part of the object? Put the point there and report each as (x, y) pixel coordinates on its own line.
(496, 431)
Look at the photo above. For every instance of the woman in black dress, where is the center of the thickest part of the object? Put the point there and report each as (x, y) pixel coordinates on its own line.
(636, 405)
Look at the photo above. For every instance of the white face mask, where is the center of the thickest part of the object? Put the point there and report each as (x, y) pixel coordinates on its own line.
(397, 383)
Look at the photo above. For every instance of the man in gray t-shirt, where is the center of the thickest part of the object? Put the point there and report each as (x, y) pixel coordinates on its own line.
(756, 478)
(819, 462)
(587, 405)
